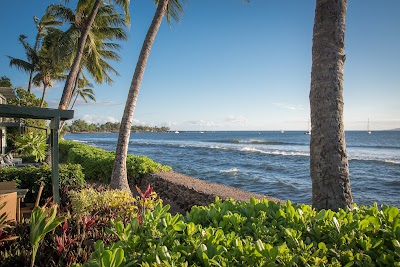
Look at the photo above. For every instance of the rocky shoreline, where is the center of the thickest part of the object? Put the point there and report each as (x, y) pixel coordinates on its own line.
(182, 191)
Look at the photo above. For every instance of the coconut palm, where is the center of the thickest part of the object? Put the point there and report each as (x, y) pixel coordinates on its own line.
(84, 90)
(173, 9)
(27, 65)
(47, 71)
(329, 167)
(84, 25)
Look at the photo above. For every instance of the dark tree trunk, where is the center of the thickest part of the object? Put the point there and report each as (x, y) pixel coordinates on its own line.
(329, 166)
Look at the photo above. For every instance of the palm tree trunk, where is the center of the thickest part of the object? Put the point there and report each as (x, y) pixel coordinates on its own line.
(119, 177)
(329, 166)
(44, 93)
(30, 81)
(67, 92)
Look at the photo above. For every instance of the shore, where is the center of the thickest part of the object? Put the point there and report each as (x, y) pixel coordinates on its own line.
(183, 192)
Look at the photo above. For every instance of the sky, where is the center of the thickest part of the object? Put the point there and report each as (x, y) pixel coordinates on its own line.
(232, 65)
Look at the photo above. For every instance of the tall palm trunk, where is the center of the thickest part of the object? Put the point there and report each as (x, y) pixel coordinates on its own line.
(329, 166)
(69, 83)
(43, 95)
(119, 177)
(30, 80)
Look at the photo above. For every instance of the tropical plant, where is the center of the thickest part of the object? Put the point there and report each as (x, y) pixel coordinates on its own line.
(5, 81)
(28, 65)
(41, 63)
(5, 224)
(32, 144)
(173, 9)
(83, 90)
(88, 14)
(329, 167)
(43, 220)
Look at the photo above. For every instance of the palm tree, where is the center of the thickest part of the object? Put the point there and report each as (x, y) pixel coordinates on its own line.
(84, 90)
(84, 24)
(46, 72)
(119, 177)
(28, 65)
(329, 166)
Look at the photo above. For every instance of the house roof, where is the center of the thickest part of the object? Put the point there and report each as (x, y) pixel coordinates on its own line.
(8, 92)
(13, 111)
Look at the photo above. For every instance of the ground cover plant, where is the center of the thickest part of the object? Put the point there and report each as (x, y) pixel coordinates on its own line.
(82, 222)
(257, 233)
(97, 163)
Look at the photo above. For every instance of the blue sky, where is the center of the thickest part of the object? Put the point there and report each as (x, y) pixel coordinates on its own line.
(229, 65)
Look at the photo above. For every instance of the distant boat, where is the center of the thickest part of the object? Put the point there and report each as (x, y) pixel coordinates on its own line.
(201, 132)
(308, 127)
(282, 131)
(176, 132)
(368, 130)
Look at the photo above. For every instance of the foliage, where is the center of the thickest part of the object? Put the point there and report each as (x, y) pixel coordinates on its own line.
(97, 163)
(262, 233)
(5, 81)
(31, 144)
(4, 224)
(31, 177)
(107, 201)
(79, 126)
(43, 220)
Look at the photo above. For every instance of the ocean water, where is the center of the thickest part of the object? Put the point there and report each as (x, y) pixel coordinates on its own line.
(271, 163)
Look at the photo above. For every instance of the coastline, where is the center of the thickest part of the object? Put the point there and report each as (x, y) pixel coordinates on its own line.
(183, 192)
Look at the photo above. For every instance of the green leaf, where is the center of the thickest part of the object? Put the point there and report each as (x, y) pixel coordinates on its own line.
(106, 258)
(336, 223)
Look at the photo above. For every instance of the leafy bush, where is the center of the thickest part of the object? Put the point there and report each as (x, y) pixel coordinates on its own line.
(31, 177)
(98, 164)
(262, 233)
(32, 144)
(110, 202)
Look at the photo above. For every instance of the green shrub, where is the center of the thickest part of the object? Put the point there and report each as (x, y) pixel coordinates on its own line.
(262, 233)
(31, 177)
(98, 164)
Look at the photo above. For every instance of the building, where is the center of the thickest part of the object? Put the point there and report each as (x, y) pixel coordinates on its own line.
(6, 93)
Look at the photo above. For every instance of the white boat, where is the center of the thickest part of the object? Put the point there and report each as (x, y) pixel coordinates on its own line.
(282, 131)
(308, 127)
(176, 132)
(368, 130)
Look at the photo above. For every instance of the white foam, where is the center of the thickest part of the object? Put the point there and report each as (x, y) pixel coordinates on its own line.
(232, 170)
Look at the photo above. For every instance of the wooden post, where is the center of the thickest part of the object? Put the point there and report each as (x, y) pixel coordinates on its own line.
(54, 126)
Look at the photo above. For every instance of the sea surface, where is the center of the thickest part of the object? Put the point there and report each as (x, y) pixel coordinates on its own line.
(271, 163)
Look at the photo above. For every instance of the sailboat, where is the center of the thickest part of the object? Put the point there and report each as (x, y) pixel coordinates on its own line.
(308, 127)
(368, 130)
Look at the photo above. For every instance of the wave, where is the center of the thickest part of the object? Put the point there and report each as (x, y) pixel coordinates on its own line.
(254, 142)
(231, 171)
(275, 152)
(377, 160)
(379, 147)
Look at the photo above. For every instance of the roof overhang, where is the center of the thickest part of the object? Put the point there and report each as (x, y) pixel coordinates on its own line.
(13, 111)
(8, 92)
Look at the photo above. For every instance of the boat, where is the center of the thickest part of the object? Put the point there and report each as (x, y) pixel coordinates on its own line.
(368, 130)
(308, 126)
(176, 132)
(282, 131)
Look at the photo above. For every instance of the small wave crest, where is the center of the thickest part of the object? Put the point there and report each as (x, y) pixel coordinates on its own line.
(231, 171)
(275, 152)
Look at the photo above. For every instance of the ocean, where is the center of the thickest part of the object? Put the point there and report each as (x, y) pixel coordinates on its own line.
(267, 162)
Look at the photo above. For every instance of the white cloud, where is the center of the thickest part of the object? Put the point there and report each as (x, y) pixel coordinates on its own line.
(289, 106)
(199, 123)
(237, 120)
(97, 119)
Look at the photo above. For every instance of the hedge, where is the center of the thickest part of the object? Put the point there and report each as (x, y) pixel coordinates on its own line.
(98, 164)
(30, 177)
